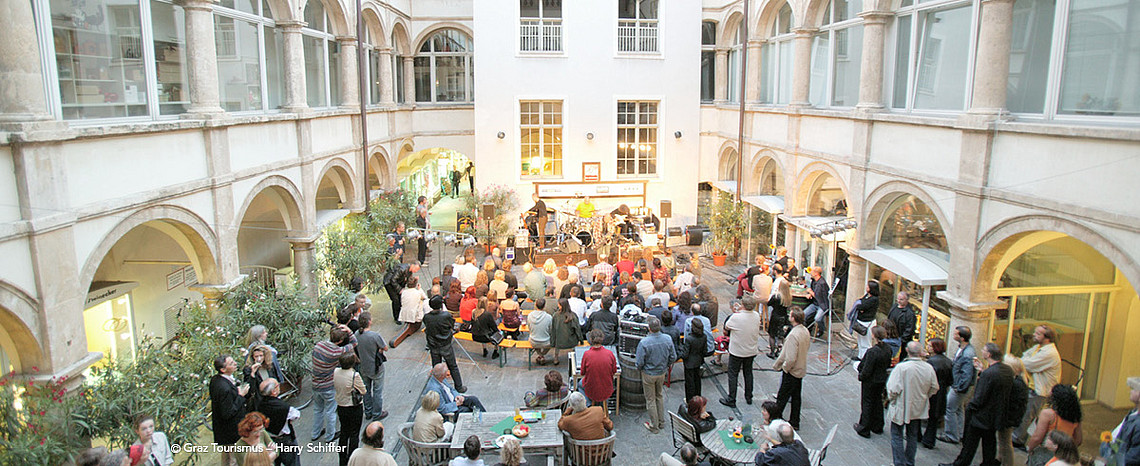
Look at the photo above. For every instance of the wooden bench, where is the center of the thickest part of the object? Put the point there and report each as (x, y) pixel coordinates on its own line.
(505, 344)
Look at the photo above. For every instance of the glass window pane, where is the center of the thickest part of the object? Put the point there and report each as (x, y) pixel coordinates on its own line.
(450, 79)
(708, 33)
(374, 77)
(708, 76)
(1064, 261)
(334, 73)
(423, 79)
(529, 8)
(551, 8)
(99, 55)
(1030, 48)
(275, 67)
(398, 72)
(847, 9)
(767, 73)
(848, 56)
(168, 24)
(943, 55)
(784, 84)
(647, 9)
(239, 68)
(784, 20)
(627, 9)
(902, 61)
(314, 70)
(315, 15)
(734, 75)
(247, 6)
(911, 224)
(820, 56)
(1100, 74)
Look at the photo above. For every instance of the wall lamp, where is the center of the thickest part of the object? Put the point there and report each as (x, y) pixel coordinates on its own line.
(501, 135)
(677, 134)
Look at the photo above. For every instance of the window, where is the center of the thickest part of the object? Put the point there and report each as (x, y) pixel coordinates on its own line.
(444, 71)
(250, 75)
(397, 73)
(777, 56)
(734, 55)
(708, 61)
(637, 138)
(836, 54)
(637, 25)
(540, 25)
(322, 58)
(372, 62)
(934, 41)
(540, 124)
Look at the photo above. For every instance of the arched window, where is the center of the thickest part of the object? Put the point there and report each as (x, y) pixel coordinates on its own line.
(826, 197)
(776, 56)
(251, 56)
(728, 163)
(836, 53)
(444, 68)
(933, 44)
(708, 61)
(771, 181)
(734, 55)
(322, 57)
(1097, 62)
(637, 25)
(910, 224)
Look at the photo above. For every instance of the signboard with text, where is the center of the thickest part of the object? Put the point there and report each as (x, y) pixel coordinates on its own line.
(555, 190)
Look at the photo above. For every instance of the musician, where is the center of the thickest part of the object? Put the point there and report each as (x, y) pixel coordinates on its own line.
(586, 208)
(540, 216)
(622, 218)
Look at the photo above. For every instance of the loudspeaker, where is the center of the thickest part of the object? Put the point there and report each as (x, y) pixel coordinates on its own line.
(666, 209)
(488, 211)
(695, 234)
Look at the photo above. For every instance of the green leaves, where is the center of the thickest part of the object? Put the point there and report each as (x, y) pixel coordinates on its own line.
(727, 223)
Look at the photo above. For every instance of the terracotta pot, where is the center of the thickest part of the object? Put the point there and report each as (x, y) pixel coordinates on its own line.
(718, 259)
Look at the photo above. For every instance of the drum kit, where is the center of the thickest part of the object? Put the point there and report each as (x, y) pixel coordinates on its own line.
(573, 233)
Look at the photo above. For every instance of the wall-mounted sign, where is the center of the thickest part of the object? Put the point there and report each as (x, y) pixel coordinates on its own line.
(175, 279)
(591, 171)
(611, 189)
(106, 291)
(191, 276)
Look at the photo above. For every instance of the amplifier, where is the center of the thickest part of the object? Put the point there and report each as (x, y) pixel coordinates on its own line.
(639, 329)
(627, 345)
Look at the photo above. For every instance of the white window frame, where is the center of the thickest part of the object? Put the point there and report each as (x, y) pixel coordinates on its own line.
(709, 48)
(917, 12)
(326, 37)
(542, 136)
(263, 21)
(775, 39)
(735, 89)
(641, 43)
(831, 30)
(547, 32)
(468, 68)
(657, 144)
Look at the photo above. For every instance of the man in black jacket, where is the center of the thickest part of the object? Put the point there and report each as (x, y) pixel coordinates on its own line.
(370, 349)
(903, 315)
(394, 281)
(986, 412)
(873, 376)
(788, 452)
(281, 417)
(438, 325)
(227, 401)
(605, 320)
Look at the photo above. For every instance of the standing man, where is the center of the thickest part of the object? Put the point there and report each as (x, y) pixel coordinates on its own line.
(902, 314)
(1043, 364)
(370, 349)
(963, 380)
(909, 388)
(455, 178)
(655, 353)
(471, 176)
(819, 294)
(985, 413)
(227, 402)
(438, 325)
(281, 417)
(326, 358)
(540, 217)
(793, 362)
(743, 330)
(421, 222)
(394, 281)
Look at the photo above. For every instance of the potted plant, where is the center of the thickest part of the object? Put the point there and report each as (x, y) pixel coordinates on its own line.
(727, 225)
(496, 230)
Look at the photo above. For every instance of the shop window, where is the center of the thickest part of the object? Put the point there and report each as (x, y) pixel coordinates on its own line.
(836, 55)
(637, 26)
(776, 56)
(444, 71)
(637, 138)
(933, 46)
(708, 61)
(540, 138)
(540, 25)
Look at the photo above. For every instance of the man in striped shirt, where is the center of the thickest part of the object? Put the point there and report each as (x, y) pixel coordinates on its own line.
(326, 358)
(604, 271)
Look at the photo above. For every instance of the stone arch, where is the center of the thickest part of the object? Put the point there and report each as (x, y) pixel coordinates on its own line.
(757, 165)
(380, 167)
(404, 148)
(802, 186)
(728, 29)
(768, 13)
(280, 10)
(434, 28)
(19, 328)
(998, 246)
(338, 17)
(401, 44)
(876, 204)
(726, 163)
(342, 178)
(186, 228)
(287, 197)
(375, 27)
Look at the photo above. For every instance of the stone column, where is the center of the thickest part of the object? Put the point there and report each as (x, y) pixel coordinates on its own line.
(991, 72)
(22, 97)
(973, 315)
(801, 67)
(303, 265)
(295, 96)
(856, 280)
(201, 60)
(386, 85)
(349, 73)
(871, 68)
(752, 83)
(720, 88)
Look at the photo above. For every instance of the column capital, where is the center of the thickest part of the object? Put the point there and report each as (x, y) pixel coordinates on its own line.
(723, 50)
(408, 59)
(804, 32)
(756, 43)
(383, 50)
(347, 40)
(207, 5)
(303, 242)
(291, 26)
(876, 17)
(967, 308)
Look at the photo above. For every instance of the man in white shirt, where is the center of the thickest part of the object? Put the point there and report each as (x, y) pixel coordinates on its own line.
(684, 280)
(467, 272)
(743, 329)
(1043, 364)
(578, 305)
(644, 288)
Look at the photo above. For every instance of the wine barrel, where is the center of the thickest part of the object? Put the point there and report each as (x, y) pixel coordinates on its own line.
(632, 394)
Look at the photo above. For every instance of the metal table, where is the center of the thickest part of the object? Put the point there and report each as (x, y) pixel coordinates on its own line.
(576, 372)
(544, 438)
(715, 444)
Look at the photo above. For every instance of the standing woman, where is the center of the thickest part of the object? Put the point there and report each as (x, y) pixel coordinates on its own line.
(865, 310)
(258, 367)
(873, 377)
(259, 336)
(412, 303)
(1062, 413)
(692, 352)
(565, 331)
(944, 371)
(155, 443)
(346, 381)
(778, 317)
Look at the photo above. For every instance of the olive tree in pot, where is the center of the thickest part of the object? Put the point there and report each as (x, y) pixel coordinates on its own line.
(727, 226)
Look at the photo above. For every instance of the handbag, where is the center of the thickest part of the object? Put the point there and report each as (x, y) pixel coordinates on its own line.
(858, 327)
(496, 337)
(357, 397)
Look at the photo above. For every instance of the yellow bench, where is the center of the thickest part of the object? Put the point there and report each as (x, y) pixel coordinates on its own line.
(505, 344)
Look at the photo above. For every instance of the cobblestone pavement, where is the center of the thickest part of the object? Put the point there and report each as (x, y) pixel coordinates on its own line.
(829, 400)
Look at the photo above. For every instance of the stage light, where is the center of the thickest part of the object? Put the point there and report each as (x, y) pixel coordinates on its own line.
(469, 241)
(815, 232)
(414, 234)
(449, 240)
(430, 236)
(850, 223)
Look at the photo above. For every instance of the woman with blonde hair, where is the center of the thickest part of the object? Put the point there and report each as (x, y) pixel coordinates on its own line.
(258, 367)
(1015, 408)
(489, 266)
(511, 454)
(549, 267)
(429, 426)
(482, 279)
(499, 284)
(778, 305)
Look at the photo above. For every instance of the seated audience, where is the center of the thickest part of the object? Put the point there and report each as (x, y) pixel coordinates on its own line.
(694, 412)
(450, 401)
(372, 452)
(472, 447)
(689, 457)
(785, 450)
(429, 426)
(551, 394)
(584, 422)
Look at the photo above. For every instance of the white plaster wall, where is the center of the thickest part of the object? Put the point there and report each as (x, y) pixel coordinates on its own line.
(332, 133)
(435, 120)
(769, 127)
(827, 135)
(110, 168)
(920, 149)
(242, 189)
(1093, 173)
(260, 144)
(9, 194)
(590, 77)
(16, 268)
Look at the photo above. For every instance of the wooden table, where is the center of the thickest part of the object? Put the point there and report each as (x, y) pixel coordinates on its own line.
(715, 444)
(576, 372)
(544, 439)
